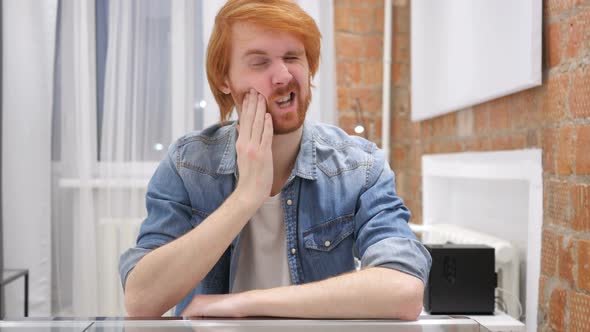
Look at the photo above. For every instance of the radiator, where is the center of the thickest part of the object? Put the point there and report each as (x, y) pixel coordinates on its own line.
(114, 236)
(507, 261)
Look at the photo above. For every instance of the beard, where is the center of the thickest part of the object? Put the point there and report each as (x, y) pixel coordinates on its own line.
(282, 122)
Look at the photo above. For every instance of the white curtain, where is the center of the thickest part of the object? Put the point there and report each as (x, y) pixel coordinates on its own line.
(74, 154)
(113, 125)
(28, 43)
(130, 79)
(136, 129)
(137, 116)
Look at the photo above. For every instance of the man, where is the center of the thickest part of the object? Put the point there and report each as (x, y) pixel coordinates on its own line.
(265, 217)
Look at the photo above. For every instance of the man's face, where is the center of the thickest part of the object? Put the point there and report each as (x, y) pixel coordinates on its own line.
(274, 64)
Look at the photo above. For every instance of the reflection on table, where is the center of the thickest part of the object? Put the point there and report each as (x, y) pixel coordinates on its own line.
(424, 324)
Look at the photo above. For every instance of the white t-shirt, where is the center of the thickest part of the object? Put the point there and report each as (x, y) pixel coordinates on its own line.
(263, 254)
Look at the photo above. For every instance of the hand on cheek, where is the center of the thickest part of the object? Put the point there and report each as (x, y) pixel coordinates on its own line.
(253, 149)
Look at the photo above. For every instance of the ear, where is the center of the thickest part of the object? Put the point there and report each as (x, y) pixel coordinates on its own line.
(224, 87)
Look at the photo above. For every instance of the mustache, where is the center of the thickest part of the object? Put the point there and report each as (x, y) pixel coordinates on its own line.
(293, 85)
(279, 92)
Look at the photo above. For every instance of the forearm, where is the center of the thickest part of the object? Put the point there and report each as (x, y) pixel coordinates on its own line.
(163, 277)
(370, 293)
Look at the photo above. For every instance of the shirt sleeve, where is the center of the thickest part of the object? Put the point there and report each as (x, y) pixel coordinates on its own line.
(169, 214)
(383, 237)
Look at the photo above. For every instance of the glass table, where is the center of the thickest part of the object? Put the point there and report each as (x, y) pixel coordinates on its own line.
(172, 324)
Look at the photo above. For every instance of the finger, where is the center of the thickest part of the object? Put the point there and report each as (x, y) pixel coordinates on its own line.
(252, 101)
(266, 142)
(241, 116)
(246, 118)
(258, 124)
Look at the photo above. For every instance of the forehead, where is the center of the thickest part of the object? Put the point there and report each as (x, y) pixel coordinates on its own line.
(247, 37)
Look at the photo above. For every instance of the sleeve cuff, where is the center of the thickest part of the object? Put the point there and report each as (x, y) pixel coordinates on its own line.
(128, 260)
(402, 254)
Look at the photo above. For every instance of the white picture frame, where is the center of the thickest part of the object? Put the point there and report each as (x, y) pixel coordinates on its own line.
(466, 52)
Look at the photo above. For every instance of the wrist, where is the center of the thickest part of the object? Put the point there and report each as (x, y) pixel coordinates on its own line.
(249, 304)
(245, 202)
(248, 198)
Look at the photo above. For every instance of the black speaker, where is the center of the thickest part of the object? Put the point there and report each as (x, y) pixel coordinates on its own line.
(462, 279)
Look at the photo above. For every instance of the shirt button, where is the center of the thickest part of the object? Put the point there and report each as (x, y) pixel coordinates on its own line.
(289, 202)
(327, 243)
(293, 251)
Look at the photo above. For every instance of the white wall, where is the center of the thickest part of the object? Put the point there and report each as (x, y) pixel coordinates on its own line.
(28, 37)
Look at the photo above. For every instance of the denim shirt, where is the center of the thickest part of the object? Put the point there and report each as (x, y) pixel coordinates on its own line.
(339, 204)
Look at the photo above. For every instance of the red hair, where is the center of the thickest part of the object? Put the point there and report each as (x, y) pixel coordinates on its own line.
(281, 15)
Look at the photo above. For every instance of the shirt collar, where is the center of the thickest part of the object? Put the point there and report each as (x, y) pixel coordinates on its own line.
(305, 164)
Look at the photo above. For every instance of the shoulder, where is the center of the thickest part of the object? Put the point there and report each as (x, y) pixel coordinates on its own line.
(204, 150)
(329, 135)
(213, 135)
(337, 151)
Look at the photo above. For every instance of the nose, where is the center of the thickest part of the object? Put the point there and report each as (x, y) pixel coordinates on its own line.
(281, 75)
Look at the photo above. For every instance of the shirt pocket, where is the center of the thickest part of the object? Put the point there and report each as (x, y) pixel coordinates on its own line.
(326, 236)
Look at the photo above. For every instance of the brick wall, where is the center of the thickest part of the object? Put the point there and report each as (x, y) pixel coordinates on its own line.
(554, 117)
(359, 66)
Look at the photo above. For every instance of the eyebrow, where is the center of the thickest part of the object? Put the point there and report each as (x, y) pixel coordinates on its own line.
(261, 52)
(295, 52)
(254, 52)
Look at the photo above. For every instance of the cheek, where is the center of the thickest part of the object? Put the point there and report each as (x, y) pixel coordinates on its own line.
(261, 85)
(303, 78)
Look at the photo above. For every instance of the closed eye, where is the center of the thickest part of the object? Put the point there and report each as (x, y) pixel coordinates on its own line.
(259, 64)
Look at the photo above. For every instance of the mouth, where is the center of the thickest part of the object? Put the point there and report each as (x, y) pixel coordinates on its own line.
(285, 101)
